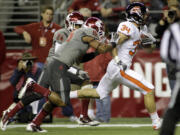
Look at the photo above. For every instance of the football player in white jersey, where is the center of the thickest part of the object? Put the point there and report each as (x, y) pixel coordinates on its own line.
(118, 70)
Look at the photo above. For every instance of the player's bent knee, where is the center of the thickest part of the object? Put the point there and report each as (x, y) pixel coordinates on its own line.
(55, 99)
(150, 86)
(150, 92)
(149, 89)
(48, 107)
(26, 100)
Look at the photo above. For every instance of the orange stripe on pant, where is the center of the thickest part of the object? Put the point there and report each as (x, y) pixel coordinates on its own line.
(138, 83)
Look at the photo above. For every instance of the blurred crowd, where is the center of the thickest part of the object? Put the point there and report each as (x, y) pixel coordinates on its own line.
(112, 12)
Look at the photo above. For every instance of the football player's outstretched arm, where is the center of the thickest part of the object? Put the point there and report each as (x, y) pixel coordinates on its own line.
(99, 46)
(118, 38)
(114, 52)
(122, 38)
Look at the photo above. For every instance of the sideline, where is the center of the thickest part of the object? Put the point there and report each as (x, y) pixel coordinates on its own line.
(77, 126)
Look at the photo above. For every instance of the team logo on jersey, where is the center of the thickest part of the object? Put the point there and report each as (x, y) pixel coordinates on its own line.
(60, 67)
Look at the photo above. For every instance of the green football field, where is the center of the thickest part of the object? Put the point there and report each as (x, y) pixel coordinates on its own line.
(117, 126)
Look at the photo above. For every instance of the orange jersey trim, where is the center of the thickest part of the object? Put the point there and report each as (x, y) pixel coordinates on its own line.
(138, 83)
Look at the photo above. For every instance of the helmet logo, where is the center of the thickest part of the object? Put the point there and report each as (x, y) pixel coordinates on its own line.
(98, 23)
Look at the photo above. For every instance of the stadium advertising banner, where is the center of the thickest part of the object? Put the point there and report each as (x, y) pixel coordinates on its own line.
(124, 102)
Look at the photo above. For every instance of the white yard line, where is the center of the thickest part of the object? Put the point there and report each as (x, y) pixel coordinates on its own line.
(76, 126)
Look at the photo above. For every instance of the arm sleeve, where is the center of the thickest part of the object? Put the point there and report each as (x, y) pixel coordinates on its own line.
(89, 56)
(22, 28)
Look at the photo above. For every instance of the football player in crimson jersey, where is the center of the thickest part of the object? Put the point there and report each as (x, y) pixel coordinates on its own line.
(118, 71)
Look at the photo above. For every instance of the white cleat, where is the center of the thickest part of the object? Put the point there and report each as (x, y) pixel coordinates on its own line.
(157, 124)
(23, 89)
(73, 118)
(33, 128)
(4, 120)
(87, 121)
(94, 123)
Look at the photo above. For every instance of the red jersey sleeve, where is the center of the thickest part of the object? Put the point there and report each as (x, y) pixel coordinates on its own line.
(27, 27)
(107, 59)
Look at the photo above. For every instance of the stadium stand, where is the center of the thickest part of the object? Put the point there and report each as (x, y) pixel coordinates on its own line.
(14, 13)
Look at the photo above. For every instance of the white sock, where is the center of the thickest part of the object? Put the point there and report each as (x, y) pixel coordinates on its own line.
(91, 113)
(12, 106)
(87, 86)
(154, 116)
(73, 94)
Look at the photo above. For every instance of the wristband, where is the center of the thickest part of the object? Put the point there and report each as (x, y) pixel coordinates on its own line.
(116, 58)
(113, 44)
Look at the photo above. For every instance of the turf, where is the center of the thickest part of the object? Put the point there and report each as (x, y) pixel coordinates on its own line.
(86, 130)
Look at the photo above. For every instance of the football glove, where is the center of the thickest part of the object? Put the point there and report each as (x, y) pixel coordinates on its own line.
(83, 75)
(148, 39)
(80, 73)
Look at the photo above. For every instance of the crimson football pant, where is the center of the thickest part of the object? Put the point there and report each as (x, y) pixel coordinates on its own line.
(55, 76)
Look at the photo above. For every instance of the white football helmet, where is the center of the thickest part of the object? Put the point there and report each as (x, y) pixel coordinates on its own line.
(72, 19)
(136, 12)
(97, 24)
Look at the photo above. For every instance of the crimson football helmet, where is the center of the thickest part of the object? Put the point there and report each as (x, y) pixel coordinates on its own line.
(136, 12)
(97, 24)
(72, 19)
